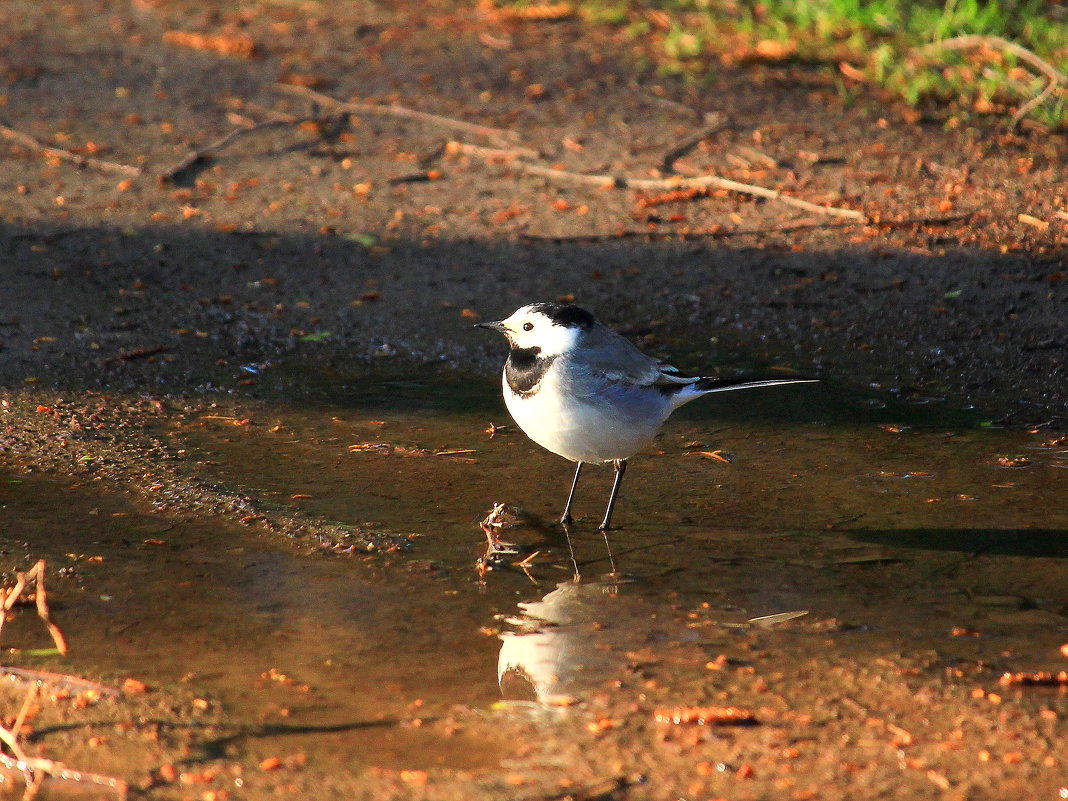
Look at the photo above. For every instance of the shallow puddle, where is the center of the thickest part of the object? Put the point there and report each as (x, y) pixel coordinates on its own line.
(904, 532)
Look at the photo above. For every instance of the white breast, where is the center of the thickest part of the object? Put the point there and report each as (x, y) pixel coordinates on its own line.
(597, 428)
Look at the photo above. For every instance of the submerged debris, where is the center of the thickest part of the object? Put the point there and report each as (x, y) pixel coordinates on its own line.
(10, 595)
(1039, 678)
(706, 716)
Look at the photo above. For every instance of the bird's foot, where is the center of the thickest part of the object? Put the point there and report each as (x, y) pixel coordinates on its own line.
(496, 547)
(567, 520)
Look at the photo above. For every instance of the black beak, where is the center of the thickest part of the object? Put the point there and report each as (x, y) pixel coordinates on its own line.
(495, 325)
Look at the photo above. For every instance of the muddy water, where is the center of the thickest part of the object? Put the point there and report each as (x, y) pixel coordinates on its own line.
(904, 530)
(885, 517)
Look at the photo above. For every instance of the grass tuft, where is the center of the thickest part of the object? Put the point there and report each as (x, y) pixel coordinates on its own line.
(867, 41)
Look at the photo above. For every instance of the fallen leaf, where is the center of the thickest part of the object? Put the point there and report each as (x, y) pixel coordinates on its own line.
(1034, 222)
(236, 45)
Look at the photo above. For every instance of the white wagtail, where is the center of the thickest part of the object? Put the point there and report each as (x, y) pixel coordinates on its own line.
(585, 393)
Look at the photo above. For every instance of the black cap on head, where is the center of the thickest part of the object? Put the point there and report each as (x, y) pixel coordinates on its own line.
(565, 315)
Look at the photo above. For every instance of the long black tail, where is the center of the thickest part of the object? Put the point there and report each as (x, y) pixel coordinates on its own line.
(725, 384)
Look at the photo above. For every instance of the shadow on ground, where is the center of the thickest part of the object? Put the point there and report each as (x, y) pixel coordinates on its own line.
(166, 309)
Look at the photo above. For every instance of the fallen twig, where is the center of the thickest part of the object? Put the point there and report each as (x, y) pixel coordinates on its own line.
(64, 681)
(1033, 103)
(684, 236)
(490, 153)
(202, 153)
(676, 183)
(714, 123)
(136, 353)
(975, 40)
(392, 110)
(681, 184)
(1035, 679)
(35, 770)
(726, 233)
(66, 155)
(517, 154)
(1056, 77)
(744, 189)
(674, 196)
(8, 597)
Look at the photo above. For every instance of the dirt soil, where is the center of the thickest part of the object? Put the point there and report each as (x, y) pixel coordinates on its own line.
(315, 250)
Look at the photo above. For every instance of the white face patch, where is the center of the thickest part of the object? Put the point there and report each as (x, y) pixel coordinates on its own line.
(532, 329)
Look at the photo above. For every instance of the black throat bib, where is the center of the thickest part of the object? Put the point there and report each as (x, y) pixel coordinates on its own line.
(524, 370)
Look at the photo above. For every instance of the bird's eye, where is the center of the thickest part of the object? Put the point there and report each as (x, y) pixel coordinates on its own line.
(528, 326)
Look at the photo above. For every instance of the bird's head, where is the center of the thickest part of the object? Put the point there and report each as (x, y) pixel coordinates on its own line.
(548, 329)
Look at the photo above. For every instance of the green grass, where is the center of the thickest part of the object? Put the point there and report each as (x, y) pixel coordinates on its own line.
(876, 37)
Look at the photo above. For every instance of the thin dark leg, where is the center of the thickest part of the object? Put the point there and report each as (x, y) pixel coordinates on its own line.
(608, 546)
(621, 468)
(565, 518)
(571, 549)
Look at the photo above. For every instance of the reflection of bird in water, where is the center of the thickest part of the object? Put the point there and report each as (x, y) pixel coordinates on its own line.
(550, 652)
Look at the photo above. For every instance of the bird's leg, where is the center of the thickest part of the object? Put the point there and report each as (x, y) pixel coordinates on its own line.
(565, 518)
(621, 468)
(608, 546)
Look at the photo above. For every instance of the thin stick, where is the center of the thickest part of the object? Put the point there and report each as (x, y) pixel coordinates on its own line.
(516, 153)
(1056, 77)
(202, 153)
(714, 123)
(43, 677)
(10, 739)
(391, 110)
(556, 174)
(66, 155)
(1032, 104)
(745, 189)
(975, 40)
(10, 596)
(38, 571)
(35, 770)
(490, 153)
(624, 182)
(687, 236)
(31, 694)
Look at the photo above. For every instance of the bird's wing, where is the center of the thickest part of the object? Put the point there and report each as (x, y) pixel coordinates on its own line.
(607, 356)
(670, 375)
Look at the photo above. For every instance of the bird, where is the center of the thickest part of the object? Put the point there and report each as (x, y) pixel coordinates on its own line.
(586, 393)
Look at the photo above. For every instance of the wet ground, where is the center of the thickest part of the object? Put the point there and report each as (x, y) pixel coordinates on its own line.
(244, 418)
(903, 557)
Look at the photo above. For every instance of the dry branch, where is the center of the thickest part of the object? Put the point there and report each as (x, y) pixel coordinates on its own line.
(682, 236)
(520, 156)
(8, 598)
(715, 181)
(35, 770)
(1033, 103)
(996, 42)
(656, 184)
(714, 123)
(499, 135)
(64, 681)
(1056, 77)
(202, 153)
(66, 155)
